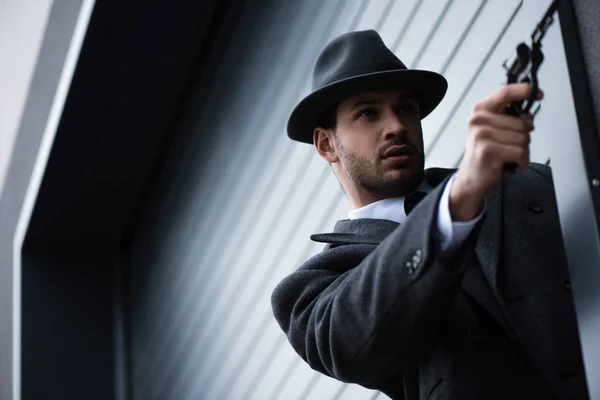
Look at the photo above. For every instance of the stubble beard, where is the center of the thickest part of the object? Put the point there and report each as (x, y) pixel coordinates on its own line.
(361, 172)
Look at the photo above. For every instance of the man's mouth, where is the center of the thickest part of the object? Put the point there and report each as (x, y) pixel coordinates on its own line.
(398, 156)
(398, 152)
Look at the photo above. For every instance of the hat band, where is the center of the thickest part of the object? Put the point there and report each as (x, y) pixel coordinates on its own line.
(363, 70)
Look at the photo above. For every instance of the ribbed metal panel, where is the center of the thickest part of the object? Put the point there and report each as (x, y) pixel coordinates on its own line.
(233, 214)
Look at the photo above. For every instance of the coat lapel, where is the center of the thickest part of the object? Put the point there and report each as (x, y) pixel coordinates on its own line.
(366, 231)
(373, 231)
(488, 250)
(488, 243)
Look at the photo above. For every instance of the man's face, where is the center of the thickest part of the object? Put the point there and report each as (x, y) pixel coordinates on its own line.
(379, 142)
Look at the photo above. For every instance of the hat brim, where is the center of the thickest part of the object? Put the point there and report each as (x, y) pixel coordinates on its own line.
(429, 88)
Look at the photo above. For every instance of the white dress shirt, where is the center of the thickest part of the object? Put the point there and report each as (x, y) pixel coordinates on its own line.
(453, 233)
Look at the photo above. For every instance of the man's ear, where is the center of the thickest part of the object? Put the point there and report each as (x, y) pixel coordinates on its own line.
(324, 143)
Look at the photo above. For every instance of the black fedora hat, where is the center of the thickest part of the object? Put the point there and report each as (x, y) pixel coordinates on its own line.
(355, 62)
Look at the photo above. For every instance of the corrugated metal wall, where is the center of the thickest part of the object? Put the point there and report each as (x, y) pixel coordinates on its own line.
(232, 215)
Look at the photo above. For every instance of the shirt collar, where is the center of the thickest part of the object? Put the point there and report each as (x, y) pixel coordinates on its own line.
(391, 209)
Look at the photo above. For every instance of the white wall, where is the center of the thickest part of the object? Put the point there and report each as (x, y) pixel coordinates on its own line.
(22, 28)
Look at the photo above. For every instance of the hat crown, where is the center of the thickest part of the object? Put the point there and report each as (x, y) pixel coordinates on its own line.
(353, 54)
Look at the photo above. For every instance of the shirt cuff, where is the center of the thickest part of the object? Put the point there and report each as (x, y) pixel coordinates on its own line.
(452, 234)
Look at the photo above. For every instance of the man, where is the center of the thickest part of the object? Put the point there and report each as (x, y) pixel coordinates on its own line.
(467, 297)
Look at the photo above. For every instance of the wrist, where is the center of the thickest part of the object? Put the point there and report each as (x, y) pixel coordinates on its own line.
(464, 202)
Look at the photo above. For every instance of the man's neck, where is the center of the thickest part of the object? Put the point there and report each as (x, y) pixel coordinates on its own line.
(360, 199)
(363, 199)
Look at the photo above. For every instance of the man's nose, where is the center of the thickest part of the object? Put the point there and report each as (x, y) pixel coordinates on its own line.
(393, 127)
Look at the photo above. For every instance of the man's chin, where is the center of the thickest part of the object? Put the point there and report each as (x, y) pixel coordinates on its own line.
(403, 174)
(403, 181)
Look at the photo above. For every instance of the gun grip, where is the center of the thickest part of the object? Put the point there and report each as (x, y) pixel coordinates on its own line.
(512, 110)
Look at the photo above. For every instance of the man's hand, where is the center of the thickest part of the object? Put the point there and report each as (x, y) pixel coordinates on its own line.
(494, 139)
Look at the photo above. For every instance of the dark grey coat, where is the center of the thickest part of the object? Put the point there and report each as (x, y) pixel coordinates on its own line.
(380, 307)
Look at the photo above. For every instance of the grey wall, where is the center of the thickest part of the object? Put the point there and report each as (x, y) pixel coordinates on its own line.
(233, 210)
(68, 324)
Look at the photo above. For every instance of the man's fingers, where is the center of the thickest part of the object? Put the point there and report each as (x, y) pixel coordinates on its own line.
(515, 154)
(508, 94)
(499, 154)
(502, 136)
(501, 121)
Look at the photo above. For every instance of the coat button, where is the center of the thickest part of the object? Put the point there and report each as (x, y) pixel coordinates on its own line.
(567, 286)
(533, 206)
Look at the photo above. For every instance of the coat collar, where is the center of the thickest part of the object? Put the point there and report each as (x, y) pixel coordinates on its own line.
(357, 231)
(373, 231)
(435, 176)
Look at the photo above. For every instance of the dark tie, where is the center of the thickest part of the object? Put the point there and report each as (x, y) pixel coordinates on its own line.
(412, 200)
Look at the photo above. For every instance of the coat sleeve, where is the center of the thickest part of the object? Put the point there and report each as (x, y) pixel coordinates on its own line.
(357, 312)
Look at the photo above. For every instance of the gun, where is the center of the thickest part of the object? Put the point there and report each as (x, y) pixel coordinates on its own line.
(523, 66)
(525, 63)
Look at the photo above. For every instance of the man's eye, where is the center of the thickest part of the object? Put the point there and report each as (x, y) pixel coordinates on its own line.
(367, 112)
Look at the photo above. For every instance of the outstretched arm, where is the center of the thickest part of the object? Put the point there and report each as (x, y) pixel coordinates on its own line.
(359, 313)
